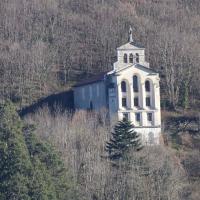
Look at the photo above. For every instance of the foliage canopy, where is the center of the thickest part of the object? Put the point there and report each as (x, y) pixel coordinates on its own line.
(29, 168)
(123, 139)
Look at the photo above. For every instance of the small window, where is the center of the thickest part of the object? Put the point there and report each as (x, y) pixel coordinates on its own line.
(148, 101)
(136, 101)
(123, 86)
(137, 117)
(131, 58)
(135, 83)
(125, 58)
(125, 117)
(150, 117)
(124, 103)
(137, 58)
(147, 86)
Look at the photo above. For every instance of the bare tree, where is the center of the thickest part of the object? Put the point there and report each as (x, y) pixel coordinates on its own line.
(153, 173)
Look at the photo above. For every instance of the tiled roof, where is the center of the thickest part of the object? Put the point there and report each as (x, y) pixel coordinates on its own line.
(93, 79)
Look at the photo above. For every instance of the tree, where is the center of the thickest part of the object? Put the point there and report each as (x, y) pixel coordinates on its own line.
(155, 172)
(15, 164)
(184, 98)
(123, 139)
(30, 169)
(50, 177)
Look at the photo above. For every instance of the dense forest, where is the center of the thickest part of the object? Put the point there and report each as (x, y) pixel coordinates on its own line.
(46, 46)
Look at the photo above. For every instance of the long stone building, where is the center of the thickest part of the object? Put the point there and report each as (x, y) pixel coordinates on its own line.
(131, 90)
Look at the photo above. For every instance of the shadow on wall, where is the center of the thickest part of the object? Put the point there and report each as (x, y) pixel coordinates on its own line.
(62, 101)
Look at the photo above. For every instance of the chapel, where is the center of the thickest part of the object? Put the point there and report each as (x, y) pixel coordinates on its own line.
(129, 91)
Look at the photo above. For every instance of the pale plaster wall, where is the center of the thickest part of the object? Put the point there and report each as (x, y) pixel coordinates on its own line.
(95, 92)
(127, 75)
(145, 134)
(128, 52)
(144, 127)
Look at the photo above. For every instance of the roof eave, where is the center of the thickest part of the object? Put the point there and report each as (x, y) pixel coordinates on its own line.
(123, 49)
(153, 72)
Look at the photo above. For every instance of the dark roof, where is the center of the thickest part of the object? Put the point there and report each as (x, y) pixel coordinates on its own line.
(93, 79)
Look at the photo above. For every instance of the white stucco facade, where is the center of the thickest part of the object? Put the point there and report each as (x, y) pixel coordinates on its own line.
(131, 90)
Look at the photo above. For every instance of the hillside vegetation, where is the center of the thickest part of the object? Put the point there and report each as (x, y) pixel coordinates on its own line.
(155, 172)
(30, 168)
(46, 46)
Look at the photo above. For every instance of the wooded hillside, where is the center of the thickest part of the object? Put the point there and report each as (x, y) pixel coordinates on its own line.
(47, 45)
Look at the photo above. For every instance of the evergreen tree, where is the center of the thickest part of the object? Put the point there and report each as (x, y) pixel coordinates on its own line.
(29, 168)
(122, 140)
(15, 164)
(41, 184)
(48, 166)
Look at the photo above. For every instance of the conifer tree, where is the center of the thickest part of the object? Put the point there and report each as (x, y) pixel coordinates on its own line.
(122, 140)
(30, 169)
(15, 164)
(48, 166)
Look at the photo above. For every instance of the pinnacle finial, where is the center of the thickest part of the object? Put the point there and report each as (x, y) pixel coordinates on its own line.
(130, 34)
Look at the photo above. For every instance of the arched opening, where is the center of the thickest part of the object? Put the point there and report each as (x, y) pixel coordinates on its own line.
(125, 94)
(125, 58)
(137, 58)
(123, 86)
(135, 84)
(131, 58)
(147, 86)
